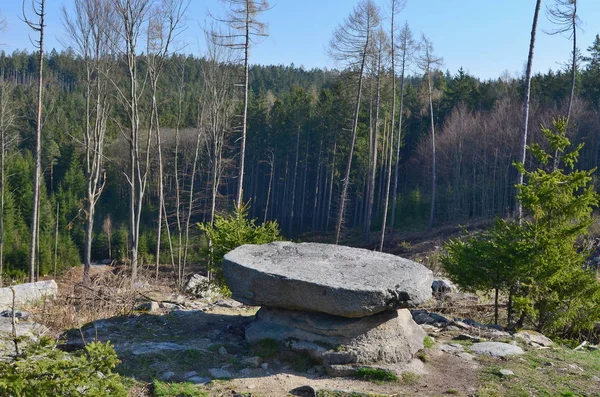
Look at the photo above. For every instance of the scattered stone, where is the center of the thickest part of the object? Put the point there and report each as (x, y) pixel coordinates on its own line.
(19, 314)
(189, 374)
(460, 324)
(198, 380)
(534, 338)
(151, 307)
(473, 323)
(169, 306)
(200, 287)
(27, 293)
(506, 373)
(451, 328)
(452, 348)
(316, 370)
(441, 286)
(468, 337)
(222, 351)
(595, 378)
(265, 366)
(228, 303)
(153, 347)
(27, 331)
(575, 367)
(496, 349)
(337, 280)
(166, 376)
(253, 362)
(466, 356)
(430, 328)
(219, 373)
(388, 337)
(340, 370)
(304, 391)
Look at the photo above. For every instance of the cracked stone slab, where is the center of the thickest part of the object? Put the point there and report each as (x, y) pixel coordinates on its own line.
(332, 279)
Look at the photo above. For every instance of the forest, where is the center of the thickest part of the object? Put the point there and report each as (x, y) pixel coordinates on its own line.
(135, 143)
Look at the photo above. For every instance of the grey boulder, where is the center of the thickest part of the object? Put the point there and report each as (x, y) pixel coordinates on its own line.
(337, 280)
(27, 293)
(496, 349)
(388, 337)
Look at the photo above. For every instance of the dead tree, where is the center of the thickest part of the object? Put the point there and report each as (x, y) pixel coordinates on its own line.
(7, 140)
(90, 30)
(350, 45)
(396, 6)
(242, 20)
(380, 47)
(428, 63)
(37, 24)
(164, 26)
(525, 122)
(132, 15)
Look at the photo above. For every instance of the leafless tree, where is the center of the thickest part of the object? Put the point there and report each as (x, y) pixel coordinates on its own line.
(380, 44)
(525, 122)
(351, 44)
(428, 62)
(7, 140)
(218, 104)
(36, 23)
(396, 6)
(107, 230)
(164, 26)
(245, 29)
(90, 29)
(564, 15)
(132, 17)
(407, 48)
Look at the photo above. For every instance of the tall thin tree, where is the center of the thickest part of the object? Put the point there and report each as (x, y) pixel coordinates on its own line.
(37, 24)
(351, 44)
(396, 6)
(90, 29)
(526, 96)
(428, 63)
(242, 18)
(407, 48)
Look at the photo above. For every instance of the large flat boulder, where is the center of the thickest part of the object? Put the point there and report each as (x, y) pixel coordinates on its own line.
(337, 280)
(27, 293)
(390, 337)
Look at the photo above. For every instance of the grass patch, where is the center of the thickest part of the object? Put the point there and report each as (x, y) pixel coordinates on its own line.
(265, 348)
(302, 362)
(421, 355)
(376, 375)
(410, 378)
(162, 389)
(545, 373)
(452, 392)
(428, 342)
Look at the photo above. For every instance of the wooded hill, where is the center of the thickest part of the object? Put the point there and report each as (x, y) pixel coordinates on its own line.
(299, 136)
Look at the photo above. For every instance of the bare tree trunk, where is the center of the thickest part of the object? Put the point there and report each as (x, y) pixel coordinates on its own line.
(272, 167)
(293, 197)
(346, 180)
(375, 152)
(433, 158)
(37, 177)
(405, 45)
(524, 125)
(240, 189)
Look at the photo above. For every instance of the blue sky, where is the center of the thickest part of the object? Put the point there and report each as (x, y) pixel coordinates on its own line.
(486, 37)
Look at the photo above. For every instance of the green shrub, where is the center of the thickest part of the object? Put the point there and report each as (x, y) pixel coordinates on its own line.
(44, 371)
(538, 261)
(231, 231)
(376, 375)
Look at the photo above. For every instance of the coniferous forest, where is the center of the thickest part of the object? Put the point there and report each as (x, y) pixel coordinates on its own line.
(140, 143)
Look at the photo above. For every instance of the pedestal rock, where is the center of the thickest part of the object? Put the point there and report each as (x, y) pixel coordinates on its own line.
(337, 280)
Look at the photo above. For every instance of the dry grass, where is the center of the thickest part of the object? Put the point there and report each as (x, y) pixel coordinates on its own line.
(110, 293)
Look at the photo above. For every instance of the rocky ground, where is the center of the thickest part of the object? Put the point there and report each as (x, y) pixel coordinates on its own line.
(201, 346)
(174, 345)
